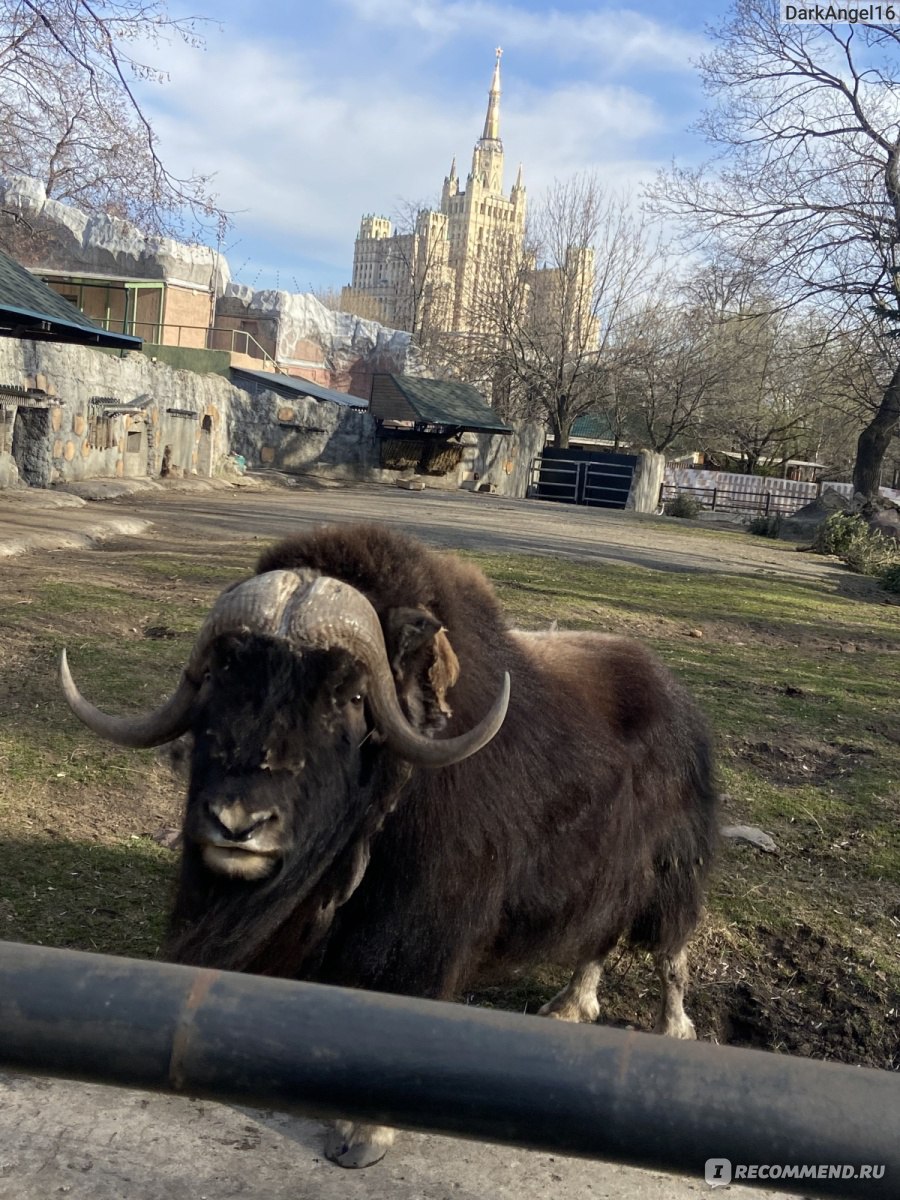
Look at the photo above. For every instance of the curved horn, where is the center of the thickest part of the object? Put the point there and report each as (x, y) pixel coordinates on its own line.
(257, 605)
(165, 723)
(303, 608)
(331, 613)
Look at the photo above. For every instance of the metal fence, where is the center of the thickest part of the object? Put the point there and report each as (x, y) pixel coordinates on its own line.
(600, 483)
(719, 499)
(298, 1047)
(192, 337)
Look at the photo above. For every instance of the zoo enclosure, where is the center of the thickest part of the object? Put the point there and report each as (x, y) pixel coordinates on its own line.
(331, 1052)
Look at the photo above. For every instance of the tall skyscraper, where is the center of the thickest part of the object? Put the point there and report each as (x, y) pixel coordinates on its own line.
(436, 274)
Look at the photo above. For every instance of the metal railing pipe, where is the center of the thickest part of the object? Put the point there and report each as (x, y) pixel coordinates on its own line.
(304, 1048)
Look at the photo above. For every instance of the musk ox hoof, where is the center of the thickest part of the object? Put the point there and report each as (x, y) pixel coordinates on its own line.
(571, 1008)
(678, 1027)
(352, 1146)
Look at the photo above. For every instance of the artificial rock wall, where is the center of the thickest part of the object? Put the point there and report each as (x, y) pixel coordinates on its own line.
(307, 437)
(58, 236)
(121, 415)
(82, 432)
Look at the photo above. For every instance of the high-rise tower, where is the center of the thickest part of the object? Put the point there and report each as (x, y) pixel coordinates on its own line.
(437, 274)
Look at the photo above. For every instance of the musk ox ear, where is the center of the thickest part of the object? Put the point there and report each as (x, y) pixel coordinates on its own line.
(424, 664)
(444, 671)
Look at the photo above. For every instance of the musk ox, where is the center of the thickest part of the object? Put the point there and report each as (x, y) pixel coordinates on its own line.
(392, 789)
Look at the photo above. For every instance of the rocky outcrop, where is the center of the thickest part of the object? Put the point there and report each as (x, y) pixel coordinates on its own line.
(56, 236)
(806, 520)
(300, 324)
(49, 236)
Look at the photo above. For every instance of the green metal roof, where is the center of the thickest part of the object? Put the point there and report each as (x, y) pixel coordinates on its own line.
(29, 309)
(447, 402)
(595, 426)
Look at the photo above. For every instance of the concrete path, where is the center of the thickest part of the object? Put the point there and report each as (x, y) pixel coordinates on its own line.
(84, 1142)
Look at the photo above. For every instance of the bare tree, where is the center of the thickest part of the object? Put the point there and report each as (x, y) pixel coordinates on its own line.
(419, 269)
(861, 363)
(69, 114)
(807, 178)
(712, 361)
(671, 372)
(775, 372)
(545, 328)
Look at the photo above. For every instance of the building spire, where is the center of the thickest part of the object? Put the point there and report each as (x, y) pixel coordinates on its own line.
(492, 120)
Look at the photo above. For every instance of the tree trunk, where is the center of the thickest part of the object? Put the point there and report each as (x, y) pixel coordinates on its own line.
(561, 427)
(875, 439)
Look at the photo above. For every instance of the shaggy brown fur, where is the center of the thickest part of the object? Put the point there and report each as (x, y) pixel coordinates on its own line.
(589, 817)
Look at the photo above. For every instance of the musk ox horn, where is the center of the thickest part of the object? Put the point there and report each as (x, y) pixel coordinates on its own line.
(258, 605)
(306, 610)
(166, 723)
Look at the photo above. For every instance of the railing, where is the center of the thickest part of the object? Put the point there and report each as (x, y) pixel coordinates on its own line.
(233, 341)
(718, 499)
(299, 1047)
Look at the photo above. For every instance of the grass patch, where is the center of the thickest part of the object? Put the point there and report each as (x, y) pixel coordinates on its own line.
(84, 895)
(800, 951)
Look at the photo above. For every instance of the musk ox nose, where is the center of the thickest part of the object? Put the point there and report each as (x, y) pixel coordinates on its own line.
(236, 823)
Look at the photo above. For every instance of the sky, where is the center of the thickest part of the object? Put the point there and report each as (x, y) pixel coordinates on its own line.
(309, 115)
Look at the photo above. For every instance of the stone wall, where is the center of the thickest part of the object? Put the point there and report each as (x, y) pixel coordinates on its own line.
(502, 461)
(302, 436)
(115, 415)
(319, 438)
(78, 437)
(646, 482)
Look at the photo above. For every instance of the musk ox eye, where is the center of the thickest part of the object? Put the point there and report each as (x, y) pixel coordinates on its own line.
(357, 699)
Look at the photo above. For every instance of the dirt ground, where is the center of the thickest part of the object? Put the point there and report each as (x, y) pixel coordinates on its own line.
(461, 520)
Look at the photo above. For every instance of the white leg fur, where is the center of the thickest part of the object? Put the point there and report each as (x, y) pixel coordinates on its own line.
(673, 976)
(578, 999)
(351, 1145)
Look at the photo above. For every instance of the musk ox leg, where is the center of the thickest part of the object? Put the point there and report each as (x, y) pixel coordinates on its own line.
(673, 976)
(578, 999)
(352, 1145)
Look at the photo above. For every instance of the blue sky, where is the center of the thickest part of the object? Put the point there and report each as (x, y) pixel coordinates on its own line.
(310, 115)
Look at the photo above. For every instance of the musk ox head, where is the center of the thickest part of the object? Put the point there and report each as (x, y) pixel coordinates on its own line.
(292, 694)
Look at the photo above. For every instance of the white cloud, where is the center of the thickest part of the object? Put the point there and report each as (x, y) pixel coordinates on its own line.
(617, 37)
(301, 149)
